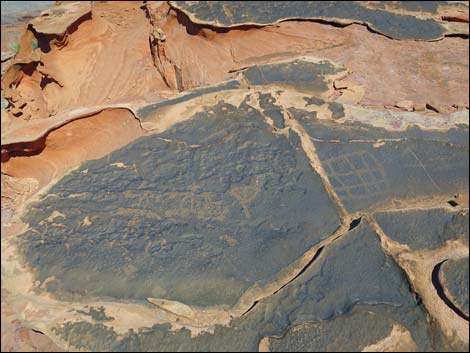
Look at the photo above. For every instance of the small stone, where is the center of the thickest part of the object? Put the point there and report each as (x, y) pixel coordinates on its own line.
(406, 105)
(158, 35)
(420, 107)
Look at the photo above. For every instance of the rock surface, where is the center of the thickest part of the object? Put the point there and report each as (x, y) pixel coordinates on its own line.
(237, 176)
(238, 13)
(455, 278)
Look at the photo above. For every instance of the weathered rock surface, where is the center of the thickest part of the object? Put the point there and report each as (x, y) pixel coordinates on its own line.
(454, 276)
(58, 21)
(236, 176)
(370, 166)
(200, 215)
(60, 81)
(237, 13)
(424, 229)
(376, 287)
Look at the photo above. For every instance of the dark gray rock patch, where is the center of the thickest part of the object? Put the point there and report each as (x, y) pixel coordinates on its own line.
(454, 279)
(313, 100)
(237, 13)
(305, 76)
(224, 205)
(424, 229)
(351, 279)
(331, 130)
(366, 174)
(97, 314)
(151, 109)
(336, 109)
(271, 110)
(362, 326)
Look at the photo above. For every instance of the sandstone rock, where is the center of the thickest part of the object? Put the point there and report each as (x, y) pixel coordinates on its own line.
(406, 105)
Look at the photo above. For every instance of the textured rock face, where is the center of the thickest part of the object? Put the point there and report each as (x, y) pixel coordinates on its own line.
(366, 172)
(201, 215)
(237, 176)
(375, 288)
(422, 229)
(455, 278)
(237, 13)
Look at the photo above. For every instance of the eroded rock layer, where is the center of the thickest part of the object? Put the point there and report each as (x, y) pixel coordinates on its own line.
(237, 13)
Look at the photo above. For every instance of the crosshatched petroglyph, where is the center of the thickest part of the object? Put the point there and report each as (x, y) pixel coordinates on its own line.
(356, 175)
